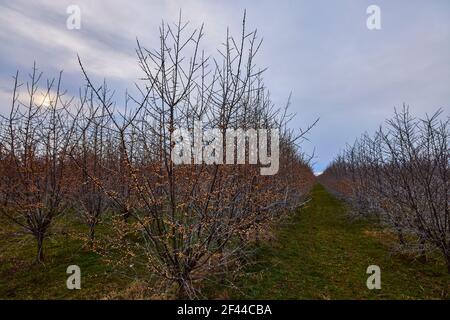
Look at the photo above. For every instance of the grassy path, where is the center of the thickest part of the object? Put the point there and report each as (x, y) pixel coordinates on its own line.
(323, 255)
(320, 254)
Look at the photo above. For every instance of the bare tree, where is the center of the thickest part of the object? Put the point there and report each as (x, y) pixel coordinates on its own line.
(402, 173)
(187, 216)
(35, 141)
(103, 160)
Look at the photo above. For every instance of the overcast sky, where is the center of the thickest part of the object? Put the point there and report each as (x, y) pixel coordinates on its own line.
(320, 50)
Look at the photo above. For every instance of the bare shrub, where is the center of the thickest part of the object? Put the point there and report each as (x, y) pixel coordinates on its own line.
(402, 174)
(191, 221)
(179, 224)
(35, 138)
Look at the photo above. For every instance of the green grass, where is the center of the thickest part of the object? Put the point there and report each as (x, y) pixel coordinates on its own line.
(22, 278)
(323, 255)
(319, 254)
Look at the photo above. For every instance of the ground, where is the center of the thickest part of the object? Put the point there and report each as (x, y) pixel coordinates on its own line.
(318, 254)
(321, 254)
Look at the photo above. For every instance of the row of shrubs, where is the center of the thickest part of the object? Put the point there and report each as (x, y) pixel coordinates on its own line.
(91, 156)
(401, 174)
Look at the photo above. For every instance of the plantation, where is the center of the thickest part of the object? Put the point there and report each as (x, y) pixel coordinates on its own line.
(318, 253)
(97, 162)
(401, 176)
(184, 179)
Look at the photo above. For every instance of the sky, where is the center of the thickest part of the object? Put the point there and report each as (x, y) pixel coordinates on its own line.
(321, 51)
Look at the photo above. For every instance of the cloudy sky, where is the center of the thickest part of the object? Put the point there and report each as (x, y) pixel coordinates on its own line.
(320, 50)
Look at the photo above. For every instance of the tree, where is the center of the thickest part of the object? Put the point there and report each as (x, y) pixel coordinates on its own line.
(35, 139)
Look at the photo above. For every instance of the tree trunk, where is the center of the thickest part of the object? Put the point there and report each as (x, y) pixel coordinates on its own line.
(422, 252)
(185, 289)
(181, 292)
(40, 248)
(91, 235)
(401, 238)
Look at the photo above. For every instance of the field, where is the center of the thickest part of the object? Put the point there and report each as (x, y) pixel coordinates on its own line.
(323, 255)
(318, 254)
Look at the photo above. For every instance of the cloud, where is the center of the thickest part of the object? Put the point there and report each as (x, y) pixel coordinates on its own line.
(60, 46)
(337, 70)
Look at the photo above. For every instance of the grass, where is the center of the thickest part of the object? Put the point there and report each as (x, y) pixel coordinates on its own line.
(319, 254)
(22, 278)
(323, 255)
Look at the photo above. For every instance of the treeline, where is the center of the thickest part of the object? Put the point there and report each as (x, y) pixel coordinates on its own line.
(401, 174)
(99, 161)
